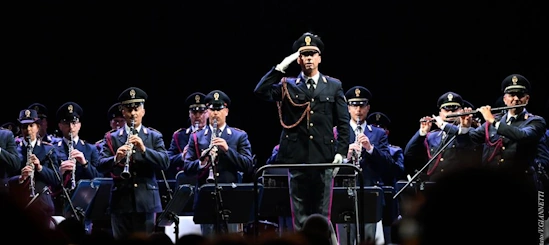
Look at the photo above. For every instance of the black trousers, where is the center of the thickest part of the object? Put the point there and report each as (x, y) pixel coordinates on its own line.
(310, 193)
(127, 224)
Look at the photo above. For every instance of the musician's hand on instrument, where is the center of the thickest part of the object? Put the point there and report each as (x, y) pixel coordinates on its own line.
(137, 143)
(486, 112)
(34, 160)
(204, 161)
(365, 142)
(352, 148)
(221, 144)
(287, 61)
(121, 153)
(25, 172)
(425, 124)
(438, 121)
(67, 165)
(78, 156)
(466, 120)
(338, 158)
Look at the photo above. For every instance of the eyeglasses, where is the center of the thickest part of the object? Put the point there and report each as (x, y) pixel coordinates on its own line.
(518, 94)
(308, 53)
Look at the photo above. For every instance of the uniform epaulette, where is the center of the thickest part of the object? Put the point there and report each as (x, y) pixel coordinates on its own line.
(288, 79)
(110, 131)
(332, 78)
(99, 141)
(152, 129)
(3, 128)
(237, 129)
(179, 130)
(47, 143)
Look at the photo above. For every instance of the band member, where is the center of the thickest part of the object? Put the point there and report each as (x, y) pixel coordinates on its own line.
(38, 162)
(198, 116)
(229, 146)
(510, 142)
(139, 151)
(381, 120)
(309, 107)
(43, 116)
(79, 159)
(116, 121)
(396, 172)
(460, 153)
(12, 127)
(370, 150)
(10, 164)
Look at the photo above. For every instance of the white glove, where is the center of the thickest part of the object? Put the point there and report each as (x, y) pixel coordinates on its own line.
(286, 62)
(338, 158)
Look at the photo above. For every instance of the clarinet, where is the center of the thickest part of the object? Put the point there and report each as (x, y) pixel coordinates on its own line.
(357, 155)
(29, 163)
(71, 148)
(126, 172)
(213, 151)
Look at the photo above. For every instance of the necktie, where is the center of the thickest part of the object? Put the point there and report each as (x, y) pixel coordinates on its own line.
(311, 83)
(511, 120)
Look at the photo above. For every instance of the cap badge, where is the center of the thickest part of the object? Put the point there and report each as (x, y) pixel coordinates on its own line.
(132, 94)
(216, 96)
(27, 113)
(514, 79)
(357, 92)
(378, 116)
(70, 109)
(197, 98)
(450, 97)
(308, 40)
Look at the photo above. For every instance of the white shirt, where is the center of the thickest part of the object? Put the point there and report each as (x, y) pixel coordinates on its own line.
(315, 79)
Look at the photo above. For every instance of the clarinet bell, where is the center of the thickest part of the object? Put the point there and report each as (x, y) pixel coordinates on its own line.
(126, 173)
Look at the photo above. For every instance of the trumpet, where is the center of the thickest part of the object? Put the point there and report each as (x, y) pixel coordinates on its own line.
(212, 151)
(126, 172)
(71, 148)
(491, 109)
(30, 148)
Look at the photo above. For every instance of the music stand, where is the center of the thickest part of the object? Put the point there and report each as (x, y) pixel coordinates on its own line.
(275, 202)
(170, 214)
(390, 209)
(343, 205)
(99, 208)
(82, 198)
(238, 202)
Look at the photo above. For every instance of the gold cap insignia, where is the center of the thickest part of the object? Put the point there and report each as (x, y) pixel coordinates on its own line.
(36, 108)
(357, 92)
(70, 109)
(197, 98)
(378, 116)
(308, 40)
(27, 113)
(216, 96)
(450, 97)
(132, 94)
(514, 79)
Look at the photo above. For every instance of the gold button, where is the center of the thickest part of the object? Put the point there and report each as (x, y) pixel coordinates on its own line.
(441, 159)
(503, 148)
(327, 98)
(311, 124)
(501, 160)
(441, 170)
(312, 112)
(332, 141)
(135, 185)
(312, 100)
(311, 137)
(453, 146)
(297, 96)
(492, 135)
(287, 136)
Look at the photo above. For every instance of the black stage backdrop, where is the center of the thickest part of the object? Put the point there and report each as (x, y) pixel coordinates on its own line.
(406, 53)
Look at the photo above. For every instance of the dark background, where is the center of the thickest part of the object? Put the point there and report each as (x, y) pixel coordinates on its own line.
(407, 53)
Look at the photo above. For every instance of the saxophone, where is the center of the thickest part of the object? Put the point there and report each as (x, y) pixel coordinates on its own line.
(71, 148)
(212, 151)
(30, 148)
(126, 172)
